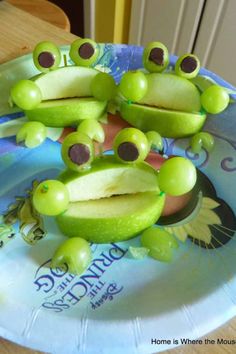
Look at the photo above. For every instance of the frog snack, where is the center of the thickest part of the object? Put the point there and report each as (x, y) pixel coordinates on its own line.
(62, 96)
(171, 102)
(111, 198)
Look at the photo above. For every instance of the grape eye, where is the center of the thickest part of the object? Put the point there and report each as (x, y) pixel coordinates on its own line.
(46, 56)
(128, 151)
(187, 66)
(155, 57)
(77, 151)
(131, 145)
(84, 52)
(79, 154)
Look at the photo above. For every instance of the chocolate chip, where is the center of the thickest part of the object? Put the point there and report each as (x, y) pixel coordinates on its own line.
(157, 56)
(188, 64)
(46, 59)
(79, 154)
(86, 50)
(128, 151)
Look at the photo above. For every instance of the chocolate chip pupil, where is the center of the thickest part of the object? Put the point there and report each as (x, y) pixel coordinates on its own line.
(86, 50)
(128, 151)
(46, 59)
(157, 56)
(188, 64)
(79, 153)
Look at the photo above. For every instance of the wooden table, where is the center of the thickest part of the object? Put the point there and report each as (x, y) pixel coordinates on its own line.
(45, 10)
(19, 32)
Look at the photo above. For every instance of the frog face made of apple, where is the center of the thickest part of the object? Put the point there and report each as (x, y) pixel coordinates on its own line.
(173, 103)
(111, 198)
(62, 96)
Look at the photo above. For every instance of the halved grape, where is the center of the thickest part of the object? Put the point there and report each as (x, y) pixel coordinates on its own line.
(74, 253)
(202, 140)
(103, 87)
(51, 197)
(84, 52)
(187, 66)
(177, 176)
(26, 94)
(215, 99)
(133, 85)
(155, 140)
(160, 243)
(131, 145)
(77, 151)
(32, 134)
(93, 129)
(155, 57)
(46, 56)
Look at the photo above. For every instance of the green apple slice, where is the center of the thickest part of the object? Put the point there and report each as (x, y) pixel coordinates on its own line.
(65, 82)
(113, 219)
(108, 177)
(112, 201)
(66, 112)
(171, 106)
(171, 92)
(171, 124)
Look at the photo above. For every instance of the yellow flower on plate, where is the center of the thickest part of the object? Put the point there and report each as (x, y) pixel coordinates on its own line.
(197, 223)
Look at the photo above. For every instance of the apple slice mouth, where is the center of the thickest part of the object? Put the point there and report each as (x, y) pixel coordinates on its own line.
(108, 177)
(121, 201)
(113, 219)
(162, 108)
(169, 123)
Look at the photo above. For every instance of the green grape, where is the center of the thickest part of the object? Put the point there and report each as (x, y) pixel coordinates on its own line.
(84, 52)
(160, 243)
(215, 99)
(155, 57)
(32, 134)
(46, 56)
(51, 197)
(103, 87)
(93, 129)
(155, 140)
(77, 151)
(130, 145)
(187, 66)
(202, 139)
(26, 94)
(75, 253)
(133, 85)
(177, 176)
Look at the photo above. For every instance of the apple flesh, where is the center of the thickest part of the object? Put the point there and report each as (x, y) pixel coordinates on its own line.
(66, 97)
(171, 92)
(67, 112)
(171, 106)
(108, 177)
(113, 219)
(65, 82)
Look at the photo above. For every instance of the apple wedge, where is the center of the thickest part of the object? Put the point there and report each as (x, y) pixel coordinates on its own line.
(113, 219)
(66, 97)
(171, 106)
(65, 82)
(111, 202)
(170, 124)
(66, 112)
